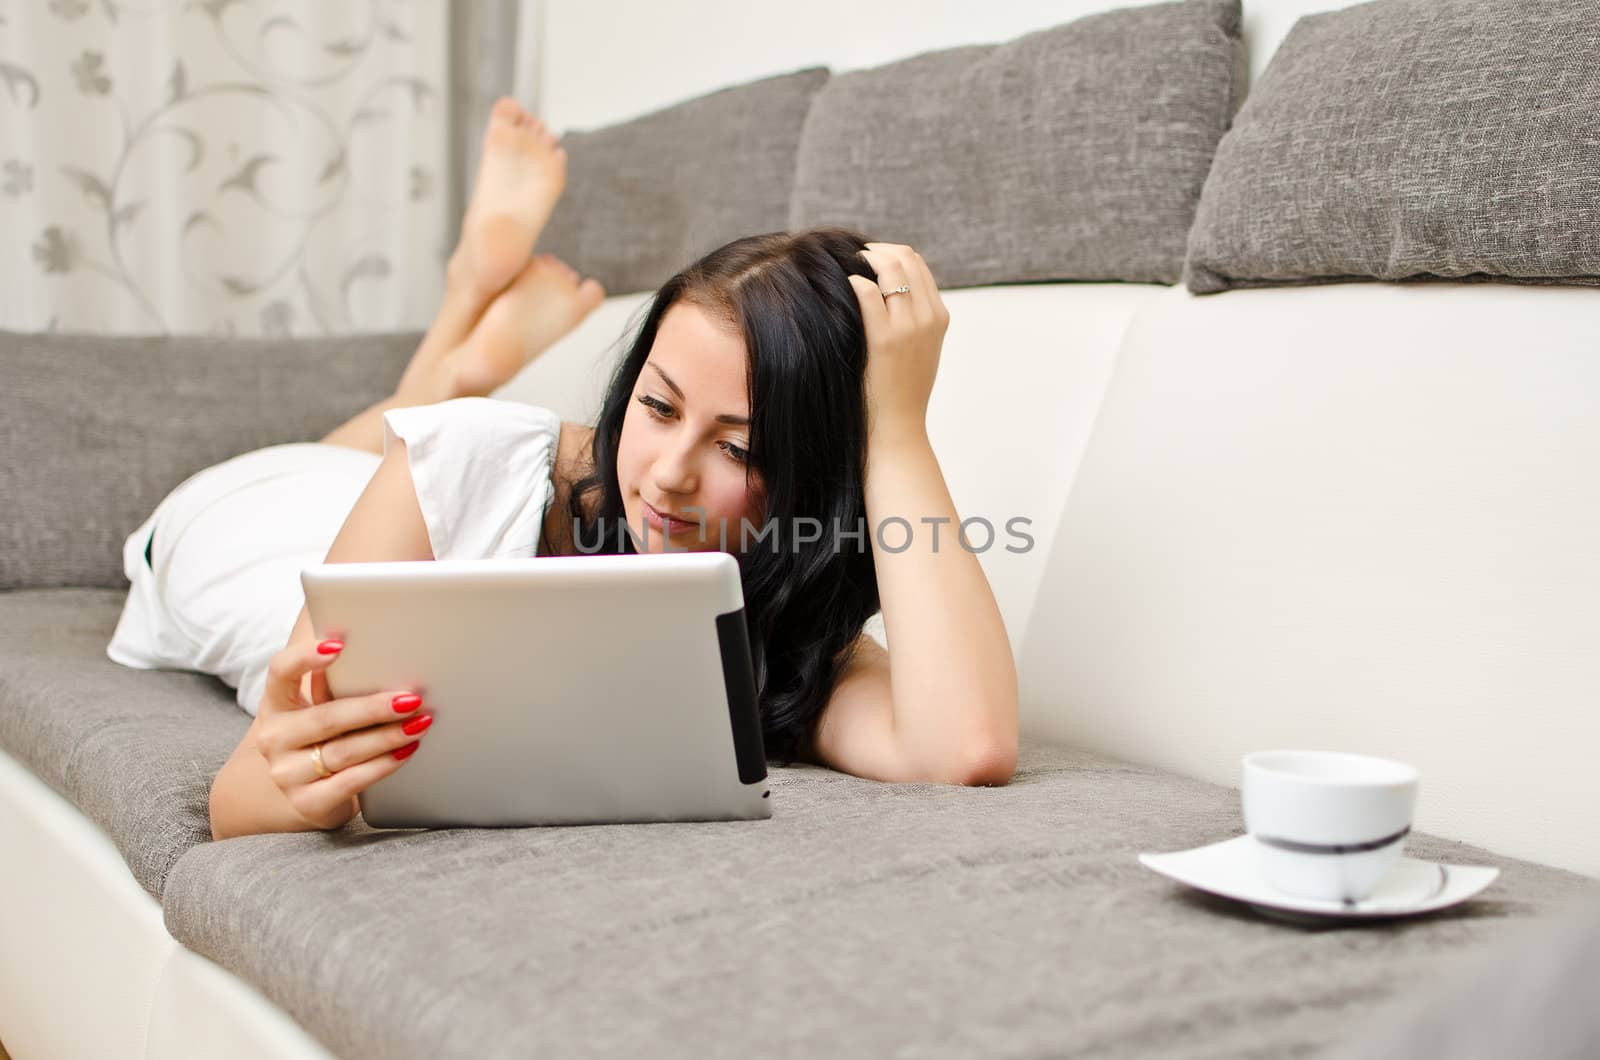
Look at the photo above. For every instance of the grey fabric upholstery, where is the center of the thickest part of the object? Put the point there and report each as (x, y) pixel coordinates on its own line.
(97, 429)
(1530, 996)
(863, 919)
(134, 750)
(646, 197)
(1073, 153)
(1413, 139)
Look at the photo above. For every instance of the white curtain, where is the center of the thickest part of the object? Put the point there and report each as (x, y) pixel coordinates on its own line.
(225, 166)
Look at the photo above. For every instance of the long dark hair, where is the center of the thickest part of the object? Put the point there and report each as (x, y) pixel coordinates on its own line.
(805, 601)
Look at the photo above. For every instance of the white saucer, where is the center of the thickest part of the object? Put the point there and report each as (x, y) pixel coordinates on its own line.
(1230, 869)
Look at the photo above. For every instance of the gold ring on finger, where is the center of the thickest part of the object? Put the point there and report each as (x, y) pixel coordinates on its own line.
(317, 763)
(904, 288)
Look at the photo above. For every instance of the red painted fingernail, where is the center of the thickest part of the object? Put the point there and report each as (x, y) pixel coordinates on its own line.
(417, 724)
(406, 702)
(406, 751)
(328, 647)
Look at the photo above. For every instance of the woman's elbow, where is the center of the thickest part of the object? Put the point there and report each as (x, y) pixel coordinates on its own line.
(987, 758)
(991, 764)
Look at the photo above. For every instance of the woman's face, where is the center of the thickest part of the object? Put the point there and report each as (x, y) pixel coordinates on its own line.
(686, 436)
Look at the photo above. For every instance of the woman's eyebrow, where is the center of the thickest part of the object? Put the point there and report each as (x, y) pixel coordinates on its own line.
(735, 421)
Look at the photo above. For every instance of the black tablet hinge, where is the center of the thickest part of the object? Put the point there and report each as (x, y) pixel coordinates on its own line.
(739, 678)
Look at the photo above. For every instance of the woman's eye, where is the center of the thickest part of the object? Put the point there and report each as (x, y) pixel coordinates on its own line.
(662, 411)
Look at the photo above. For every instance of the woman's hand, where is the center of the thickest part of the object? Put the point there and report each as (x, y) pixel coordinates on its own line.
(362, 738)
(904, 334)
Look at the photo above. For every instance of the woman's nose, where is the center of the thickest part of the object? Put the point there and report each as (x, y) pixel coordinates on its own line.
(674, 469)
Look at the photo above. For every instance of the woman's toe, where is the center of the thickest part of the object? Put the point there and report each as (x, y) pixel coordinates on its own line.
(506, 109)
(590, 294)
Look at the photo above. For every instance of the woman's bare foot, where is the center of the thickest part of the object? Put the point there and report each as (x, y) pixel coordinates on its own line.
(544, 302)
(521, 174)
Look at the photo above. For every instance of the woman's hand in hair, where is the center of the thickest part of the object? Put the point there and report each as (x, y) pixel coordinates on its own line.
(904, 334)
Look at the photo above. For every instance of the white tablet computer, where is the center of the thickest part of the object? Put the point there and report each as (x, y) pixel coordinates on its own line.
(564, 690)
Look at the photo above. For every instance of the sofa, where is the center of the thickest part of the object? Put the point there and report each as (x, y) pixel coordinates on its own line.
(1345, 515)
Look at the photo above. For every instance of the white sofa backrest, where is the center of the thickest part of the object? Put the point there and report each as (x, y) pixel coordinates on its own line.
(1020, 379)
(1356, 517)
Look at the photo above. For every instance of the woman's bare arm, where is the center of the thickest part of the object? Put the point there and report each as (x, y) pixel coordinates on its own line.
(937, 604)
(385, 524)
(941, 704)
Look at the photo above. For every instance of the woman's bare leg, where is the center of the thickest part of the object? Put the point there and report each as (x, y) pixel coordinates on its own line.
(520, 176)
(545, 301)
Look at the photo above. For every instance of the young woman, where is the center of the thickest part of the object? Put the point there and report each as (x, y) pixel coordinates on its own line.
(772, 405)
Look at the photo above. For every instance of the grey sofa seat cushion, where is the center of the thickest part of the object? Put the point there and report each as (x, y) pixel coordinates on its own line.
(1073, 153)
(1530, 996)
(96, 429)
(134, 750)
(1426, 139)
(863, 919)
(646, 197)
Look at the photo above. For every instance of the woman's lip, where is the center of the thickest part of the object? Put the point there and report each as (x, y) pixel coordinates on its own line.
(660, 521)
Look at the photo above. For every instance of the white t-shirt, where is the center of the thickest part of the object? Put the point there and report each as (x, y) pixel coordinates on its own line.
(223, 591)
(481, 467)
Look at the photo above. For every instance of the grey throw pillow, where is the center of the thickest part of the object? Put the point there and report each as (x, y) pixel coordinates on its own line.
(646, 197)
(1413, 138)
(1073, 153)
(96, 429)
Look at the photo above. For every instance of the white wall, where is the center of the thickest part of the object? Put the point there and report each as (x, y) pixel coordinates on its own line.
(604, 62)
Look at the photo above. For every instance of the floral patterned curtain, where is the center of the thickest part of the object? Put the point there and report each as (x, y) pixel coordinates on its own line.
(223, 166)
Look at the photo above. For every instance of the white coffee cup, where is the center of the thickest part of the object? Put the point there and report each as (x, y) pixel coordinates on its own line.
(1327, 825)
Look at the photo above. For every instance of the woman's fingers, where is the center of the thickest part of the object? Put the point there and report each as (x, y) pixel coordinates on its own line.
(898, 265)
(926, 288)
(295, 766)
(317, 687)
(886, 261)
(286, 669)
(874, 314)
(339, 716)
(357, 739)
(329, 799)
(903, 338)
